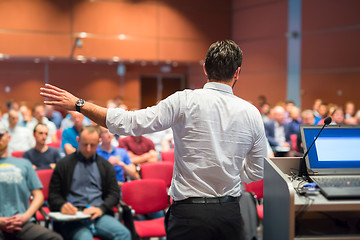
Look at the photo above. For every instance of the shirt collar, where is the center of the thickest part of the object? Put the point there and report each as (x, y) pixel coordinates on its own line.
(85, 160)
(218, 87)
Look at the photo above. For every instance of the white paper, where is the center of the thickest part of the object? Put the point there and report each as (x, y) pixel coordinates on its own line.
(58, 216)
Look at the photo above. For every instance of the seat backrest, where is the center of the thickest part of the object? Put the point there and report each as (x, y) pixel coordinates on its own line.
(293, 139)
(256, 187)
(158, 170)
(168, 156)
(59, 134)
(17, 154)
(145, 195)
(45, 177)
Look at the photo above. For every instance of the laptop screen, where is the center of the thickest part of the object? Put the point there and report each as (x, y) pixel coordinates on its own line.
(337, 149)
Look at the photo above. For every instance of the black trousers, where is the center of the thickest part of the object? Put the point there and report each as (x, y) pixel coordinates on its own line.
(204, 221)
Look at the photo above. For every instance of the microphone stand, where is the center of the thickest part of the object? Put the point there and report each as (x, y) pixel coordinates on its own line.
(302, 166)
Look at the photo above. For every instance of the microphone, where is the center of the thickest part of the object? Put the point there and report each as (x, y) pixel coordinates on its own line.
(302, 167)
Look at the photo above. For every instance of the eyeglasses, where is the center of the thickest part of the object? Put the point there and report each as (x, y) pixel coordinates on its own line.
(1, 135)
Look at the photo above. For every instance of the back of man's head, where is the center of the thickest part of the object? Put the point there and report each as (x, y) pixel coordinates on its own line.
(222, 60)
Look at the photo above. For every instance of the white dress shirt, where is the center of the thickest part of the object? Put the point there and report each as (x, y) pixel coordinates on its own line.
(219, 139)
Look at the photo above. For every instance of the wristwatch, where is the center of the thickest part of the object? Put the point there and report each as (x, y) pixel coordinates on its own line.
(79, 104)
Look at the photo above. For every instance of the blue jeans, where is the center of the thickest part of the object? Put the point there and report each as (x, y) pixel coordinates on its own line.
(107, 227)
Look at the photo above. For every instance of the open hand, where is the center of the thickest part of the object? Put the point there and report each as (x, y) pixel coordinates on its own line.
(58, 97)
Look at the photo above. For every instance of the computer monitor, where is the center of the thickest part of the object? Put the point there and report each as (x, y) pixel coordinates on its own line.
(336, 151)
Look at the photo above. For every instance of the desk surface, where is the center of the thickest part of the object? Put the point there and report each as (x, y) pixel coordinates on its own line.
(289, 215)
(320, 203)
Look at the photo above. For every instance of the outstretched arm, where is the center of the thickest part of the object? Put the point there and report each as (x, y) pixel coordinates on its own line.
(61, 98)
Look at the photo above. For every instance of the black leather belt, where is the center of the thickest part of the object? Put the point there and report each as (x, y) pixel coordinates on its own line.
(207, 200)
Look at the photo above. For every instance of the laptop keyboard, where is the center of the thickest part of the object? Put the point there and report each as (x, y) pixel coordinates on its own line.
(341, 181)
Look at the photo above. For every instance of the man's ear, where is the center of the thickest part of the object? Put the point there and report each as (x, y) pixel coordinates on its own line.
(237, 73)
(204, 69)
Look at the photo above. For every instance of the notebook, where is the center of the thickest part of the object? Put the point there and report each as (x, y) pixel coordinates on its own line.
(333, 162)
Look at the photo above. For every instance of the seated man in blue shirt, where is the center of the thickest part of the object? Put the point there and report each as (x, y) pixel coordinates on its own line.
(84, 181)
(118, 157)
(69, 141)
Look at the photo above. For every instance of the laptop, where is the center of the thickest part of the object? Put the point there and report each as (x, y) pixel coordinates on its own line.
(333, 162)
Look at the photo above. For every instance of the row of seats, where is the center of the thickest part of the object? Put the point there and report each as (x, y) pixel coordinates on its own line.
(144, 196)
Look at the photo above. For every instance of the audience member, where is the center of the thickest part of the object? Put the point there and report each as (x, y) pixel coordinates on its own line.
(68, 123)
(118, 157)
(42, 156)
(288, 106)
(84, 181)
(338, 116)
(21, 138)
(277, 131)
(38, 113)
(357, 117)
(69, 142)
(140, 149)
(323, 112)
(295, 122)
(18, 181)
(53, 115)
(349, 109)
(316, 106)
(265, 112)
(162, 140)
(307, 118)
(27, 115)
(261, 101)
(11, 104)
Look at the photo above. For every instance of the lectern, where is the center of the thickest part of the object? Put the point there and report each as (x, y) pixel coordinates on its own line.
(290, 215)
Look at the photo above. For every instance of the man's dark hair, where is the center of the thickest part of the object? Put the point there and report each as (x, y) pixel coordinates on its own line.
(42, 124)
(222, 60)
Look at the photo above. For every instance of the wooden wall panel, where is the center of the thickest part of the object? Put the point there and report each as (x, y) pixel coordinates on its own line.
(259, 27)
(24, 81)
(192, 21)
(241, 4)
(50, 27)
(322, 14)
(332, 87)
(329, 50)
(91, 81)
(107, 48)
(252, 85)
(35, 45)
(183, 50)
(266, 55)
(260, 21)
(113, 18)
(35, 15)
(197, 77)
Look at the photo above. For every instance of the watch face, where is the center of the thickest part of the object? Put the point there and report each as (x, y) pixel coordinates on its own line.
(80, 102)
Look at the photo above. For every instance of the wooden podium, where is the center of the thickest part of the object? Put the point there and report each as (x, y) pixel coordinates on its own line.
(289, 215)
